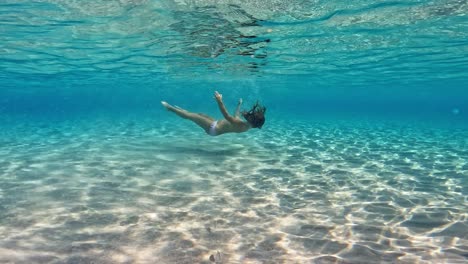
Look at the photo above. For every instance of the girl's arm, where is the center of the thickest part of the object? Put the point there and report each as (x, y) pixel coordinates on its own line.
(238, 108)
(222, 107)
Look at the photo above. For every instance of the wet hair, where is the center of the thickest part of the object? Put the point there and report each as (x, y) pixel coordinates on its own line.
(255, 116)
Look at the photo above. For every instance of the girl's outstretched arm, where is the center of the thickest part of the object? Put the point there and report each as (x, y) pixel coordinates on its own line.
(238, 108)
(222, 107)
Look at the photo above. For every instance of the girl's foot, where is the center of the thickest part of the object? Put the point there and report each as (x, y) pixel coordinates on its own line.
(166, 105)
(171, 107)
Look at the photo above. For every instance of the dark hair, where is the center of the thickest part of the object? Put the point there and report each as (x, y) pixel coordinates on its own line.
(256, 115)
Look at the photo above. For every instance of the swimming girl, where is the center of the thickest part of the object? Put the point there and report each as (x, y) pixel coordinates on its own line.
(231, 124)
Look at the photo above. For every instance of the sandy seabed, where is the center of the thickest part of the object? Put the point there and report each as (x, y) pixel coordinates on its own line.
(294, 192)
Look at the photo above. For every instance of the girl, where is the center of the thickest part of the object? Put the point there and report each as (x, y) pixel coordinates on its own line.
(255, 118)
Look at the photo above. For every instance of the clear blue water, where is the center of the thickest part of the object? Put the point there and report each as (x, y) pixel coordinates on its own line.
(363, 157)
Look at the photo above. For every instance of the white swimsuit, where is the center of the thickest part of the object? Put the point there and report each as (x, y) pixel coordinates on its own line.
(212, 131)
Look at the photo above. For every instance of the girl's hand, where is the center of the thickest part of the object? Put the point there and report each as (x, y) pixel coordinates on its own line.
(218, 96)
(240, 101)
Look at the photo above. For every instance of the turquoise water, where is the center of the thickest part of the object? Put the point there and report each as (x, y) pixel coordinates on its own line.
(363, 157)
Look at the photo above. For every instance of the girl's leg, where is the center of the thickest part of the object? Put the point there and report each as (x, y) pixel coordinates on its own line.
(202, 120)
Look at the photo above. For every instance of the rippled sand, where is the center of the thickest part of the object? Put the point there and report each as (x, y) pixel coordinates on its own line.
(298, 192)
